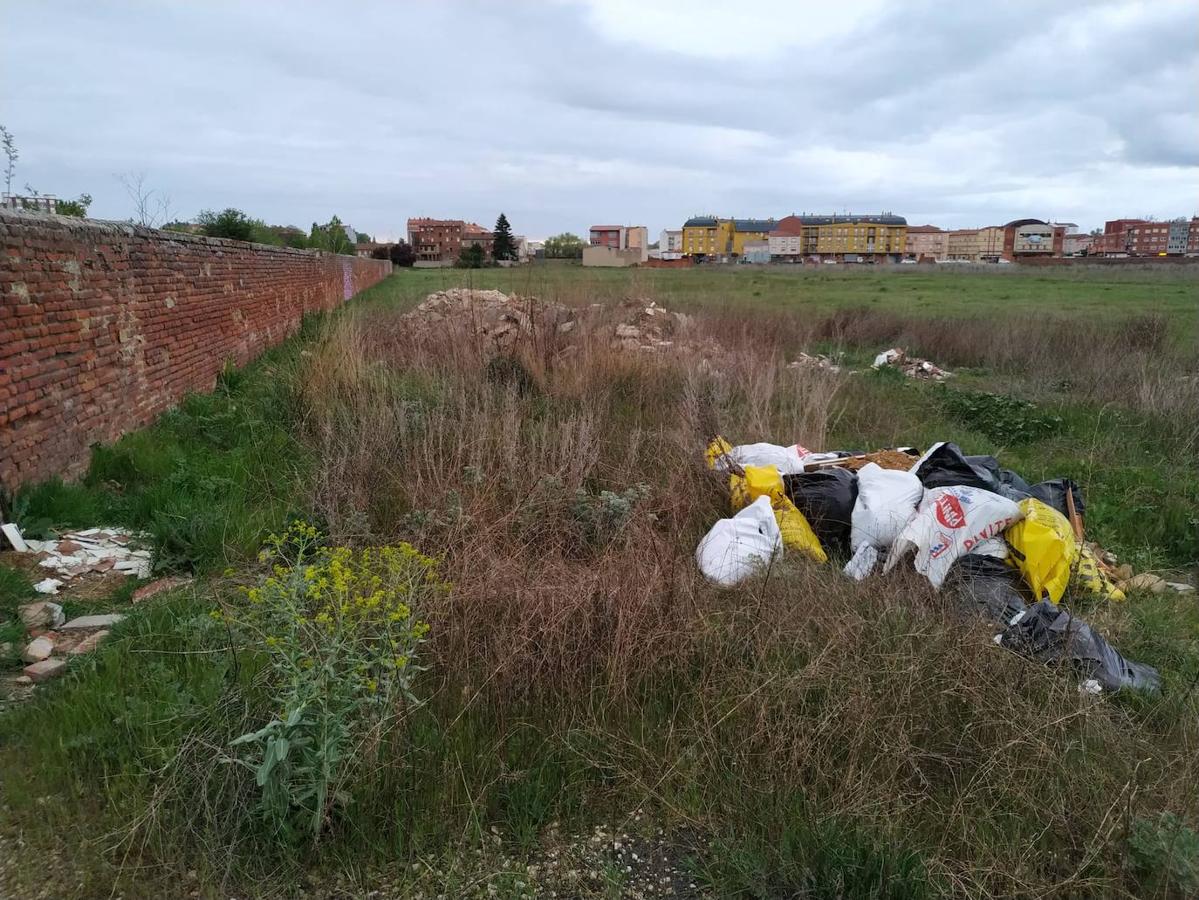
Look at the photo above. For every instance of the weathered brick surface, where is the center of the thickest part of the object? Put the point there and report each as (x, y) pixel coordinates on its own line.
(103, 326)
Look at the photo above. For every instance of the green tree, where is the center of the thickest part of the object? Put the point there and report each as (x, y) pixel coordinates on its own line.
(228, 223)
(504, 247)
(330, 237)
(77, 207)
(364, 238)
(471, 257)
(10, 155)
(564, 246)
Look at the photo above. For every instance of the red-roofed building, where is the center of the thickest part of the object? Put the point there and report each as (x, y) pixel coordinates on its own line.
(1114, 240)
(439, 242)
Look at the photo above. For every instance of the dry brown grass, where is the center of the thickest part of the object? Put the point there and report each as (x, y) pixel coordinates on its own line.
(874, 702)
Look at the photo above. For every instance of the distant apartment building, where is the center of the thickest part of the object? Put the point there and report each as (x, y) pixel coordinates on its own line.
(844, 238)
(1149, 239)
(670, 243)
(1193, 237)
(1030, 238)
(37, 203)
(979, 245)
(1178, 237)
(439, 242)
(926, 242)
(708, 237)
(1114, 240)
(786, 241)
(622, 237)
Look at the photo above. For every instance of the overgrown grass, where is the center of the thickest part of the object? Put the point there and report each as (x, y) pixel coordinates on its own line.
(828, 738)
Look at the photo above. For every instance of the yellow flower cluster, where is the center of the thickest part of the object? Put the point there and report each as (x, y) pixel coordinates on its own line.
(334, 603)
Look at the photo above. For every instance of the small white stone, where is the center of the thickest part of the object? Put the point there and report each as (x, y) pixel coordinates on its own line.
(37, 649)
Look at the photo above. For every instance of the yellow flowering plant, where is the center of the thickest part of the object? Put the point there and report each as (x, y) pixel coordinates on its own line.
(341, 633)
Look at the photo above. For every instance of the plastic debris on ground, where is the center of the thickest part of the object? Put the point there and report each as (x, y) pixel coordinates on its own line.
(736, 548)
(1006, 549)
(886, 500)
(911, 366)
(1053, 635)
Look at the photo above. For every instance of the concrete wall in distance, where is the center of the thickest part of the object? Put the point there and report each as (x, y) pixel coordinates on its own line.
(103, 326)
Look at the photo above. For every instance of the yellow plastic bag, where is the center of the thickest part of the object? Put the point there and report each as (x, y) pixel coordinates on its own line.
(760, 481)
(1092, 579)
(1043, 548)
(765, 481)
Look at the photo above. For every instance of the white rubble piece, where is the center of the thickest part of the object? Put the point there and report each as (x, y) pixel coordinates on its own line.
(38, 649)
(48, 586)
(92, 550)
(819, 361)
(13, 533)
(911, 366)
(42, 614)
(83, 623)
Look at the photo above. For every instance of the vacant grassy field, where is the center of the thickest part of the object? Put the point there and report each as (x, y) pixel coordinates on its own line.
(1080, 293)
(800, 735)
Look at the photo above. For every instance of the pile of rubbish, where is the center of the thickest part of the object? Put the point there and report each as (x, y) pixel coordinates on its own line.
(820, 361)
(911, 366)
(94, 550)
(1007, 549)
(502, 321)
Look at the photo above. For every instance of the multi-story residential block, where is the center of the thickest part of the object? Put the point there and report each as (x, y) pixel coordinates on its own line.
(926, 242)
(845, 238)
(439, 242)
(622, 237)
(751, 231)
(1149, 239)
(1178, 237)
(786, 241)
(670, 243)
(1114, 240)
(708, 236)
(1193, 237)
(756, 251)
(975, 244)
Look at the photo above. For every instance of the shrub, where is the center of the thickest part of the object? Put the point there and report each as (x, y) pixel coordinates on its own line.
(341, 636)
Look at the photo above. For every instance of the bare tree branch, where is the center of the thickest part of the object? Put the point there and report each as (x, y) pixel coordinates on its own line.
(150, 207)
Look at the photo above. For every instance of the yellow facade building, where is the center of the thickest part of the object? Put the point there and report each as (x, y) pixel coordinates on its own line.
(839, 237)
(707, 236)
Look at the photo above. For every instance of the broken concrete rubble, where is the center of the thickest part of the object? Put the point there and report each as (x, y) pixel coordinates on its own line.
(819, 361)
(83, 623)
(44, 670)
(154, 588)
(38, 649)
(911, 366)
(82, 552)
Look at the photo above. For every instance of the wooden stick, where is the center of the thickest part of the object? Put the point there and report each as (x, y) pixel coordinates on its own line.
(1075, 518)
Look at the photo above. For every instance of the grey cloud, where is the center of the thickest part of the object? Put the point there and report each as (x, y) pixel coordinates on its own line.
(293, 111)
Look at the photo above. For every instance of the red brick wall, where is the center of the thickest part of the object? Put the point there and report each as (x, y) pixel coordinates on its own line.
(104, 326)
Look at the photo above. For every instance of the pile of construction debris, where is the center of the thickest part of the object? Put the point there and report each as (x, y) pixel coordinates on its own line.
(94, 550)
(911, 366)
(52, 640)
(499, 322)
(819, 362)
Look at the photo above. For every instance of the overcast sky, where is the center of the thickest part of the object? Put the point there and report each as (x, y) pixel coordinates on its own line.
(564, 114)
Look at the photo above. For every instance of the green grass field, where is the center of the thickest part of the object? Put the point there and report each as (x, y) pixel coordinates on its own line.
(1104, 293)
(798, 736)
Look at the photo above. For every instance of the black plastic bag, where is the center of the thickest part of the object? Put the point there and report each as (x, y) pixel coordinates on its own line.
(947, 466)
(1053, 493)
(1053, 635)
(987, 585)
(826, 498)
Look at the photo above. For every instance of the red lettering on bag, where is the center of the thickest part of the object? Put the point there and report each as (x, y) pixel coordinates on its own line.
(949, 511)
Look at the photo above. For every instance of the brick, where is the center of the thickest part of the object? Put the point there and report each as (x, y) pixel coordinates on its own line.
(44, 670)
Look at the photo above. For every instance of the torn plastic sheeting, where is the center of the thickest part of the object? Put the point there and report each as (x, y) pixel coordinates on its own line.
(737, 548)
(863, 563)
(988, 585)
(950, 522)
(1052, 634)
(887, 498)
(826, 498)
(1053, 493)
